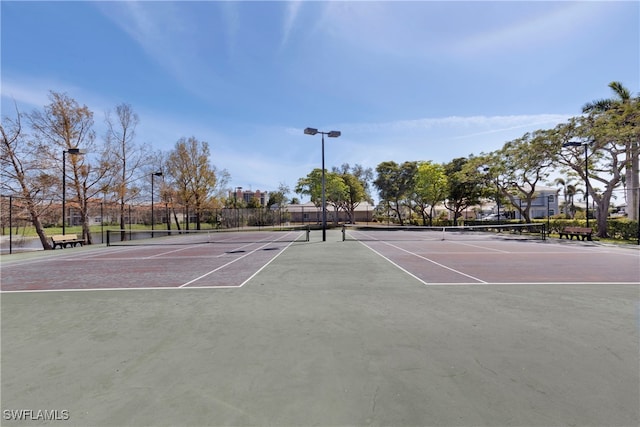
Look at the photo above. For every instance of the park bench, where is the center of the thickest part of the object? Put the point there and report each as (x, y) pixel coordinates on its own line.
(579, 233)
(64, 240)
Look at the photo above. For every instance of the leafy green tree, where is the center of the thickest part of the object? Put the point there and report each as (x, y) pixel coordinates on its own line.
(429, 190)
(517, 170)
(279, 197)
(465, 186)
(336, 191)
(356, 180)
(625, 107)
(604, 137)
(395, 183)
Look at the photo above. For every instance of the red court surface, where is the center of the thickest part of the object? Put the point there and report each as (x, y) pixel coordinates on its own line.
(157, 266)
(510, 261)
(231, 265)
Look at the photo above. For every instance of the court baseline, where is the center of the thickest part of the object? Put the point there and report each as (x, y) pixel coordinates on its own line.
(145, 269)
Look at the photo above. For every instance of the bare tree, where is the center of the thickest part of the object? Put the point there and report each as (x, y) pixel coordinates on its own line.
(126, 156)
(65, 125)
(24, 172)
(195, 177)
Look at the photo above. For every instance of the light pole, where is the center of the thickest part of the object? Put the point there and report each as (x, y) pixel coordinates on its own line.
(549, 197)
(331, 134)
(586, 171)
(74, 151)
(235, 203)
(152, 217)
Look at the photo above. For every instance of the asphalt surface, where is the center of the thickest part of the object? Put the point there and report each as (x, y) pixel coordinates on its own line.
(328, 334)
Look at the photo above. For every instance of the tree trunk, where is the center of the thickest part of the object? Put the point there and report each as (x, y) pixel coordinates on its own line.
(633, 183)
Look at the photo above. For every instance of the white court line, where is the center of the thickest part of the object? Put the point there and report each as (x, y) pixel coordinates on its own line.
(474, 284)
(479, 247)
(264, 266)
(421, 257)
(435, 262)
(231, 262)
(393, 263)
(198, 245)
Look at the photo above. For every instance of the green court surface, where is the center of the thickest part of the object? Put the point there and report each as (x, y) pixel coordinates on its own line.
(335, 334)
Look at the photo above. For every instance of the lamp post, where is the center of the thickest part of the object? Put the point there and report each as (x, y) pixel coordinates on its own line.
(74, 151)
(331, 134)
(152, 217)
(549, 197)
(586, 172)
(235, 203)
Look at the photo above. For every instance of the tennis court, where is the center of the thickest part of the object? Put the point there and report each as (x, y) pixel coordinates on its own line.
(397, 330)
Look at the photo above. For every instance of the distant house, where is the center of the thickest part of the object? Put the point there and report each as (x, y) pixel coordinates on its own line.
(309, 213)
(544, 205)
(247, 195)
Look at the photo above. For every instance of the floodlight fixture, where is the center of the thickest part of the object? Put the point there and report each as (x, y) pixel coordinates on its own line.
(310, 131)
(334, 134)
(573, 144)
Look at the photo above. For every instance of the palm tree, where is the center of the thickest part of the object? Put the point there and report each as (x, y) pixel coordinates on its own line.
(569, 190)
(623, 98)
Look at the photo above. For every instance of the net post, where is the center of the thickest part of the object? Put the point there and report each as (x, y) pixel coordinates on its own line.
(344, 233)
(307, 232)
(108, 238)
(443, 231)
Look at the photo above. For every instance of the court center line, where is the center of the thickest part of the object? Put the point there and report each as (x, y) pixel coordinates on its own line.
(426, 259)
(227, 264)
(479, 247)
(196, 246)
(393, 263)
(264, 266)
(435, 262)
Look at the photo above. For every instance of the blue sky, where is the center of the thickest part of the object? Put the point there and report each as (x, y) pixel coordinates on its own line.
(416, 80)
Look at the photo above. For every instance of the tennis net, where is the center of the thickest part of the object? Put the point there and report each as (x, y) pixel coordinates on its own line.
(216, 236)
(535, 231)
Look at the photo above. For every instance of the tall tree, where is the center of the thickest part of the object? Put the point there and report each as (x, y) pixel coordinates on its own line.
(429, 190)
(465, 186)
(395, 183)
(279, 197)
(604, 162)
(357, 181)
(127, 157)
(626, 107)
(194, 175)
(518, 169)
(336, 191)
(62, 125)
(23, 172)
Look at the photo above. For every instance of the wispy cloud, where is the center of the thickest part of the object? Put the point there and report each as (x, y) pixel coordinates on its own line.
(291, 14)
(486, 124)
(163, 31)
(551, 22)
(33, 92)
